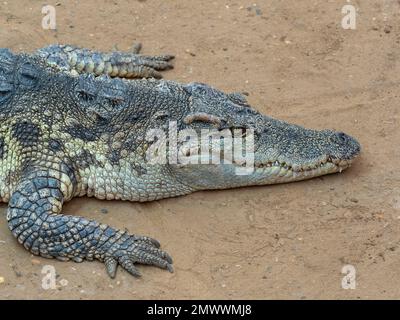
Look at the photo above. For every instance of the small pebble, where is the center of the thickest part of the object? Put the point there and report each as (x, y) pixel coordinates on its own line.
(1, 280)
(387, 29)
(190, 52)
(104, 211)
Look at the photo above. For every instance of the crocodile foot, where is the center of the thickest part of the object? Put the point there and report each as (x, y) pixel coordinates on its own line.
(130, 65)
(130, 250)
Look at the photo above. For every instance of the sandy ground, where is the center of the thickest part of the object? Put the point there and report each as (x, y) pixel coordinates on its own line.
(285, 241)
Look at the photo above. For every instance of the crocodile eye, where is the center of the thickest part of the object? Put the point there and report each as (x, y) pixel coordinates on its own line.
(85, 95)
(28, 75)
(115, 101)
(114, 91)
(86, 90)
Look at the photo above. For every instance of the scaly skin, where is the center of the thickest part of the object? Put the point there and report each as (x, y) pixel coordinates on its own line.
(63, 136)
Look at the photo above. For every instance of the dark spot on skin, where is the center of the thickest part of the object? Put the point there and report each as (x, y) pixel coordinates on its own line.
(162, 115)
(27, 133)
(2, 146)
(114, 156)
(70, 172)
(135, 117)
(131, 143)
(85, 159)
(102, 121)
(139, 169)
(81, 132)
(55, 145)
(10, 177)
(247, 111)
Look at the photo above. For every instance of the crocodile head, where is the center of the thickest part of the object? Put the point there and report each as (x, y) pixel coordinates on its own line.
(280, 152)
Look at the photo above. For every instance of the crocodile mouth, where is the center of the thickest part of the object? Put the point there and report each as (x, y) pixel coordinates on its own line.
(277, 171)
(328, 162)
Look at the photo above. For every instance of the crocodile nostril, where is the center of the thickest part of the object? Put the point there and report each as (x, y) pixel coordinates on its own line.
(342, 137)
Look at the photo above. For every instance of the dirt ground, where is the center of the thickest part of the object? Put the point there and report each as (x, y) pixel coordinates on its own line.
(285, 241)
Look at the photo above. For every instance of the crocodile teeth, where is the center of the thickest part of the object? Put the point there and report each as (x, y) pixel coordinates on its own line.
(275, 170)
(80, 65)
(282, 172)
(296, 167)
(72, 59)
(323, 166)
(343, 163)
(89, 67)
(289, 174)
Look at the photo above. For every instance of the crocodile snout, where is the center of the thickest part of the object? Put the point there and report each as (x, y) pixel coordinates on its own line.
(344, 146)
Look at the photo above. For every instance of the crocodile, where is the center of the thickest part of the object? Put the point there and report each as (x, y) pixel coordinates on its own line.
(73, 123)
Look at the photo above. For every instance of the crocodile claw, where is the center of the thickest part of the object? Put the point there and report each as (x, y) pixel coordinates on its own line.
(141, 250)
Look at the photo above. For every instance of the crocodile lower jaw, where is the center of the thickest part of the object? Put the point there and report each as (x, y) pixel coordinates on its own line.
(283, 172)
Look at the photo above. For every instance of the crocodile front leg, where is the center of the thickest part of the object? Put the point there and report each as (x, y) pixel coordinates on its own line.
(115, 64)
(34, 218)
